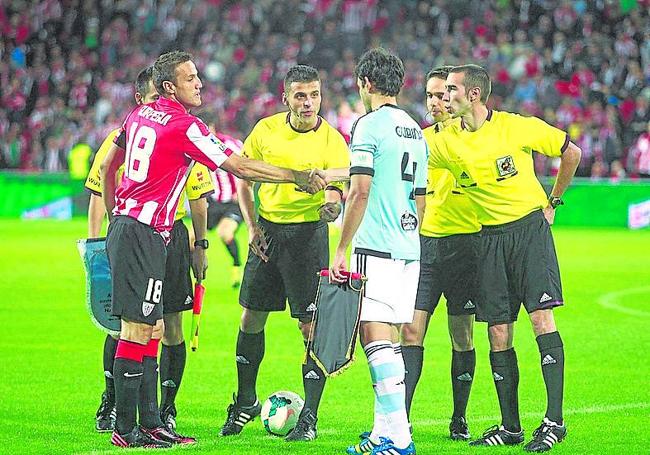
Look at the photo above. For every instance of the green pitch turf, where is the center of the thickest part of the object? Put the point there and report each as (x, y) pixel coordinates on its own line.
(51, 368)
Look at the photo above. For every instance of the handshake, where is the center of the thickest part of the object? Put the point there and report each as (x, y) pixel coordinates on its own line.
(314, 180)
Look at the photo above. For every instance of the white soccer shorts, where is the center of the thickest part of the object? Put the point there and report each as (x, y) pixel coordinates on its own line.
(390, 290)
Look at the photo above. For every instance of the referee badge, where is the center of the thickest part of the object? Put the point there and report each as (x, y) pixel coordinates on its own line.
(506, 166)
(409, 221)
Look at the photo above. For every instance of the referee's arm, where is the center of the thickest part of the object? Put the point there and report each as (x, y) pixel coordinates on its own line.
(569, 162)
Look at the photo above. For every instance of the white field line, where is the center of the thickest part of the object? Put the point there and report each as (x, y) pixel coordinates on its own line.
(611, 301)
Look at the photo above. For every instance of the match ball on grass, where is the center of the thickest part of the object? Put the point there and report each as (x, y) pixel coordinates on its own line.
(280, 412)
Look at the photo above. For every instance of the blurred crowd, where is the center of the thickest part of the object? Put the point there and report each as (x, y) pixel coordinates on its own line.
(67, 66)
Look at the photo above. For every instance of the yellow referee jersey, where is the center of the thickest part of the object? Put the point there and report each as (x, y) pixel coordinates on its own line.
(275, 141)
(199, 183)
(448, 210)
(494, 164)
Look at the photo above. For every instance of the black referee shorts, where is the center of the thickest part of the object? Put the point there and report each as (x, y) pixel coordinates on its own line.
(448, 266)
(137, 256)
(297, 251)
(517, 264)
(178, 282)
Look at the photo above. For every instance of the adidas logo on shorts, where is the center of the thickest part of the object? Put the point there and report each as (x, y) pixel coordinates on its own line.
(469, 305)
(497, 376)
(465, 377)
(311, 307)
(548, 360)
(545, 298)
(169, 383)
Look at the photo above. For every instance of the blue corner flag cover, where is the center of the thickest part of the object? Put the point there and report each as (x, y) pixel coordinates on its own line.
(335, 325)
(98, 284)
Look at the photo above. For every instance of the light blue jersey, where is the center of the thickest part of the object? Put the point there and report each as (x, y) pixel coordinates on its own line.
(388, 145)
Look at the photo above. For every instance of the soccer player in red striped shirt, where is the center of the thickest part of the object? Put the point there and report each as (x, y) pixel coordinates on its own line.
(159, 142)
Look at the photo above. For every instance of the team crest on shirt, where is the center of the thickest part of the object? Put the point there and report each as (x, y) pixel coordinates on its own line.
(506, 166)
(409, 221)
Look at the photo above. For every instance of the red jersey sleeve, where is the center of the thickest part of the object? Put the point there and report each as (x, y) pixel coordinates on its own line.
(205, 147)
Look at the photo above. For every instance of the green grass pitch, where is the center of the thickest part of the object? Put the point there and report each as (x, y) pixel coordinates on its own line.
(51, 374)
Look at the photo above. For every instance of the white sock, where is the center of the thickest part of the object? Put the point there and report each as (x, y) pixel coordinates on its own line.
(387, 372)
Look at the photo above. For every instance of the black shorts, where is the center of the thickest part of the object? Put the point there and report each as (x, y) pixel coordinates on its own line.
(448, 266)
(219, 210)
(517, 264)
(297, 251)
(178, 283)
(137, 256)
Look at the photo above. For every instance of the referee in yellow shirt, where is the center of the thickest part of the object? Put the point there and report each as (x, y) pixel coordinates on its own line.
(490, 154)
(288, 241)
(178, 291)
(449, 243)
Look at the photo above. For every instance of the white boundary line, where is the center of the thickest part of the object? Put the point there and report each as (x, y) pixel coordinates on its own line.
(611, 299)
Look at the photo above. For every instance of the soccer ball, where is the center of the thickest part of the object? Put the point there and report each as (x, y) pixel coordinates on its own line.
(280, 412)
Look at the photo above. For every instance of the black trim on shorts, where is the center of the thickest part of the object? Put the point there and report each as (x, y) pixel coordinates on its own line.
(369, 252)
(96, 193)
(420, 191)
(362, 170)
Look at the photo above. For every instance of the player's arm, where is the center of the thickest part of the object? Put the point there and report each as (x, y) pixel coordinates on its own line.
(96, 211)
(114, 159)
(207, 149)
(420, 205)
(256, 238)
(355, 208)
(199, 213)
(259, 171)
(569, 162)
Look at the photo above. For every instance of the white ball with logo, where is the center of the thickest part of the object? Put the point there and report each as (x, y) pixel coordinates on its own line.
(280, 412)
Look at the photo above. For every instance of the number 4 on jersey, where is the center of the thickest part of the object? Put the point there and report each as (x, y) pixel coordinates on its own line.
(405, 175)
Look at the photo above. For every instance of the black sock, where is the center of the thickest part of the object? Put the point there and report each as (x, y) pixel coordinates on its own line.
(249, 355)
(233, 249)
(463, 364)
(148, 404)
(172, 365)
(505, 373)
(313, 380)
(128, 377)
(110, 345)
(551, 352)
(413, 357)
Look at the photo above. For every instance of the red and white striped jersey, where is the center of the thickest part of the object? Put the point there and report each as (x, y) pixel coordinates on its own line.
(225, 184)
(162, 141)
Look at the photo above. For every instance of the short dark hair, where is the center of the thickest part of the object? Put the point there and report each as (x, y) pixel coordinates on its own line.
(300, 73)
(383, 69)
(440, 72)
(164, 68)
(142, 81)
(475, 76)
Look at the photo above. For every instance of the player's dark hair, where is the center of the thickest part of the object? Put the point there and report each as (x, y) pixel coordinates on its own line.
(142, 81)
(300, 73)
(440, 72)
(475, 76)
(164, 68)
(383, 69)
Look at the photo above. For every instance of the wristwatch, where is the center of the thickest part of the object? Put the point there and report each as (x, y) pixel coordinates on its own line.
(555, 201)
(202, 244)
